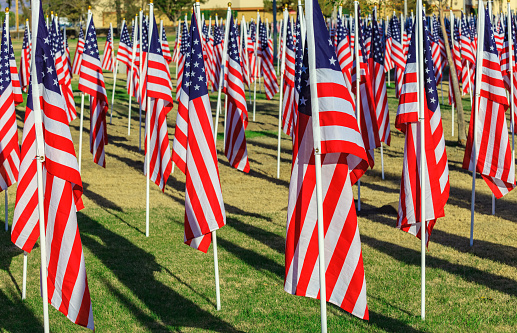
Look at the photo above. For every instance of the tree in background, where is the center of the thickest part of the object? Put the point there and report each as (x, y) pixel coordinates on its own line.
(173, 9)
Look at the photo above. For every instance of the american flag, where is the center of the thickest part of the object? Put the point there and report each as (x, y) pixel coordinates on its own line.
(499, 36)
(288, 88)
(67, 283)
(182, 58)
(209, 63)
(125, 47)
(237, 112)
(398, 56)
(218, 55)
(267, 67)
(436, 171)
(9, 148)
(244, 52)
(134, 70)
(159, 90)
(252, 55)
(194, 150)
(76, 67)
(63, 76)
(107, 58)
(67, 50)
(368, 118)
(380, 96)
(25, 60)
(177, 43)
(344, 275)
(456, 55)
(438, 49)
(468, 57)
(165, 47)
(344, 52)
(388, 62)
(367, 38)
(15, 79)
(298, 70)
(514, 105)
(91, 82)
(493, 158)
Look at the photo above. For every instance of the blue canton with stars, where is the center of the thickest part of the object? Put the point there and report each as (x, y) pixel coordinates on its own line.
(45, 69)
(395, 29)
(325, 53)
(6, 42)
(81, 33)
(90, 42)
(304, 103)
(298, 62)
(263, 37)
(5, 71)
(252, 31)
(25, 39)
(489, 42)
(233, 47)
(124, 37)
(430, 82)
(194, 75)
(289, 40)
(164, 36)
(54, 37)
(185, 40)
(155, 46)
(377, 47)
(145, 34)
(108, 38)
(218, 35)
(465, 30)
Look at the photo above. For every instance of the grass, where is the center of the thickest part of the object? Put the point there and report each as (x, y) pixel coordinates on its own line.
(158, 284)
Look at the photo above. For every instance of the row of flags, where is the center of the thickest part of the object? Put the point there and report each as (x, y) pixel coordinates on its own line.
(339, 124)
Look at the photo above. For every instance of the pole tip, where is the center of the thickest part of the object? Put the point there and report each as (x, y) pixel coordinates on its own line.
(229, 4)
(89, 7)
(7, 9)
(151, 1)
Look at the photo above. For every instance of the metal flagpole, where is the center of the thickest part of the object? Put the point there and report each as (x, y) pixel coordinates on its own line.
(148, 124)
(115, 71)
(140, 83)
(130, 78)
(282, 69)
(423, 165)
(81, 122)
(512, 106)
(357, 86)
(452, 43)
(256, 69)
(479, 64)
(40, 158)
(223, 65)
(317, 160)
(24, 277)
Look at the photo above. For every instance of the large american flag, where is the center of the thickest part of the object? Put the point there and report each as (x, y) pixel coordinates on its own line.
(25, 60)
(107, 58)
(344, 275)
(76, 67)
(436, 171)
(267, 67)
(288, 88)
(159, 90)
(91, 82)
(182, 57)
(237, 113)
(13, 68)
(165, 47)
(344, 52)
(125, 47)
(194, 150)
(63, 75)
(9, 148)
(380, 95)
(493, 158)
(67, 283)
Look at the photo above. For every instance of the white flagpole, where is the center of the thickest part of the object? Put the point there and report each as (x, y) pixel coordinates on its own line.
(256, 65)
(81, 121)
(130, 78)
(479, 65)
(317, 160)
(512, 106)
(178, 33)
(115, 71)
(40, 158)
(140, 81)
(357, 85)
(451, 16)
(244, 37)
(6, 210)
(282, 69)
(148, 124)
(223, 65)
(423, 165)
(24, 277)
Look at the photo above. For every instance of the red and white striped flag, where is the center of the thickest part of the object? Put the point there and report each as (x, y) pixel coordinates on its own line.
(125, 47)
(76, 67)
(182, 58)
(67, 283)
(344, 275)
(25, 60)
(398, 54)
(194, 150)
(454, 44)
(165, 47)
(159, 90)
(468, 58)
(288, 88)
(237, 113)
(267, 67)
(344, 52)
(388, 45)
(437, 49)
(15, 79)
(436, 170)
(107, 58)
(177, 43)
(91, 82)
(493, 149)
(62, 72)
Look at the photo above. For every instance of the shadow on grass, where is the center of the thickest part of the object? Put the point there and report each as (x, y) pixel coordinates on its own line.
(267, 238)
(17, 317)
(135, 267)
(9, 251)
(389, 324)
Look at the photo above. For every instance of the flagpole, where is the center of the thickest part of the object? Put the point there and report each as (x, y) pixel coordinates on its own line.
(148, 124)
(24, 277)
(40, 158)
(479, 62)
(357, 87)
(130, 78)
(510, 42)
(178, 33)
(6, 210)
(282, 69)
(451, 16)
(116, 69)
(140, 85)
(81, 121)
(317, 159)
(421, 94)
(221, 73)
(256, 69)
